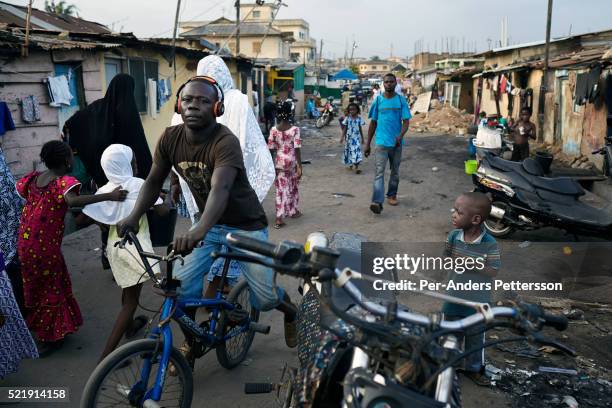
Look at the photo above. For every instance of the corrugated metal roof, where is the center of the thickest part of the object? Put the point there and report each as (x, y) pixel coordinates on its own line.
(16, 15)
(51, 42)
(224, 30)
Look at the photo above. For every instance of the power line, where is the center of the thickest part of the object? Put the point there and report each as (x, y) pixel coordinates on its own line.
(208, 10)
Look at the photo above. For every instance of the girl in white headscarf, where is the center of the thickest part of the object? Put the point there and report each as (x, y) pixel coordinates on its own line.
(239, 118)
(119, 164)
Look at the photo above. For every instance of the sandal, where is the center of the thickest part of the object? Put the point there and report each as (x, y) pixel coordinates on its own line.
(187, 352)
(279, 224)
(479, 378)
(138, 324)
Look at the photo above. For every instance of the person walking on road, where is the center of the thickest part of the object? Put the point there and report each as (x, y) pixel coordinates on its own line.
(352, 137)
(285, 141)
(389, 121)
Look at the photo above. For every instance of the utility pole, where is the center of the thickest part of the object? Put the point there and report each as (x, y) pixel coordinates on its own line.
(237, 27)
(353, 51)
(544, 83)
(320, 61)
(26, 43)
(548, 24)
(173, 62)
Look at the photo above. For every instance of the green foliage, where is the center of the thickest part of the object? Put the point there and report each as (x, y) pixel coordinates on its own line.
(61, 7)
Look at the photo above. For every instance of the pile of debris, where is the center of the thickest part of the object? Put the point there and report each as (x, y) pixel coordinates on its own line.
(531, 389)
(562, 159)
(441, 119)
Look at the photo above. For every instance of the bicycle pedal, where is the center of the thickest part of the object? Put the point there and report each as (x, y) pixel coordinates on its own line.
(238, 316)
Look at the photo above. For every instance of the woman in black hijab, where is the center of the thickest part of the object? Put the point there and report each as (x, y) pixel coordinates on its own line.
(112, 119)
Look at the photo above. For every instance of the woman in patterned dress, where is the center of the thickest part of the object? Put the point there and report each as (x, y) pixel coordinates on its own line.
(16, 343)
(52, 311)
(352, 136)
(286, 142)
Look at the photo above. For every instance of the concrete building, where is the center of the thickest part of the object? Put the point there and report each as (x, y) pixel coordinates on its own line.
(261, 35)
(562, 120)
(379, 67)
(453, 63)
(89, 56)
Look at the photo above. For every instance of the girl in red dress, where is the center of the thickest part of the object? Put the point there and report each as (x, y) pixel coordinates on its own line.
(51, 309)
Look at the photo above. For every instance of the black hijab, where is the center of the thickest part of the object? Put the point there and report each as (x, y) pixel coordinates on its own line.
(113, 119)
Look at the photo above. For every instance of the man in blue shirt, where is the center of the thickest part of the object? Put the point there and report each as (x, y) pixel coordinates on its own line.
(389, 120)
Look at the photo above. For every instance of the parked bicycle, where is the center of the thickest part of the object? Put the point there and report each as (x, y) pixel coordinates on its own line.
(382, 355)
(135, 375)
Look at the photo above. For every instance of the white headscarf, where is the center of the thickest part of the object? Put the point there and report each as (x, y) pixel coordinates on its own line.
(116, 161)
(240, 119)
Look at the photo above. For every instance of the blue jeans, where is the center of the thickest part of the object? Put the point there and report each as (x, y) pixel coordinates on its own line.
(199, 263)
(394, 156)
(473, 338)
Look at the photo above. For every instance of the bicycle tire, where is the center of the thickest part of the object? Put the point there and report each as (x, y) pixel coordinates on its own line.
(455, 401)
(123, 353)
(221, 350)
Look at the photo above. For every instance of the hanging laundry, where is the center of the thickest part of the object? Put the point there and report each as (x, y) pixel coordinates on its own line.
(593, 83)
(30, 109)
(168, 87)
(161, 94)
(503, 84)
(6, 120)
(580, 96)
(152, 97)
(59, 91)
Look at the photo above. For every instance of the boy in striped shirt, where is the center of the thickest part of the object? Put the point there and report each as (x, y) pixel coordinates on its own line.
(470, 240)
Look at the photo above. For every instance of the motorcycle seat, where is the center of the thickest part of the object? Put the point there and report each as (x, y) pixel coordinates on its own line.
(531, 170)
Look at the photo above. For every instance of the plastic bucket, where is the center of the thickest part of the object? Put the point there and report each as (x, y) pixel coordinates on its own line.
(545, 159)
(471, 166)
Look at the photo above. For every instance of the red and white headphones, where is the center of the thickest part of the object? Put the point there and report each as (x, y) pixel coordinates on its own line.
(218, 107)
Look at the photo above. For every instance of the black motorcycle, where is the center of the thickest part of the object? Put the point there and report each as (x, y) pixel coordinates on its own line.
(524, 199)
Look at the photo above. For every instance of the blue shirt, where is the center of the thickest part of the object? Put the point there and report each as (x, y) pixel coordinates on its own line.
(389, 114)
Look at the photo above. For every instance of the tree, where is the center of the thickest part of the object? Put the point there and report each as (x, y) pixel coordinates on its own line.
(375, 58)
(61, 7)
(354, 68)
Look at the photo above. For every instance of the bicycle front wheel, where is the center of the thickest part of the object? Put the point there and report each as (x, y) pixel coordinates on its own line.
(233, 351)
(116, 381)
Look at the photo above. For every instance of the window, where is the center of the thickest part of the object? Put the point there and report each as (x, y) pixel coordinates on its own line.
(295, 56)
(374, 67)
(142, 70)
(302, 35)
(112, 67)
(256, 14)
(257, 46)
(385, 68)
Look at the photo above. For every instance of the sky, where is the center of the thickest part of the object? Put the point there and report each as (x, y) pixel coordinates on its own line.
(378, 27)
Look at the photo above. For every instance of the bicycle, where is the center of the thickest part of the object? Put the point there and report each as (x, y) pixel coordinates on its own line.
(398, 358)
(135, 375)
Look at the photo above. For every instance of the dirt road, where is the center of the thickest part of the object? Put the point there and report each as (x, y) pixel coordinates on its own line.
(332, 200)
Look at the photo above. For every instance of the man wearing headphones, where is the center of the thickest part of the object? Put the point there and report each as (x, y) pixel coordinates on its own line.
(208, 156)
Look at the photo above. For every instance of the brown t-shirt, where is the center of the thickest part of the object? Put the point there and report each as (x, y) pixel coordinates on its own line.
(196, 163)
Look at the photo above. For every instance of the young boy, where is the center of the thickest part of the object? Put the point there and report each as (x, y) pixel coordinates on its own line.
(522, 131)
(470, 240)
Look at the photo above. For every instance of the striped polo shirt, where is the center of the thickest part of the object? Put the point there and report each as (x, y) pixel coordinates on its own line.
(485, 247)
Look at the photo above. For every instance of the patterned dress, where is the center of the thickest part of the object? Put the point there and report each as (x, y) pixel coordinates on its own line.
(16, 343)
(10, 211)
(287, 182)
(52, 311)
(352, 147)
